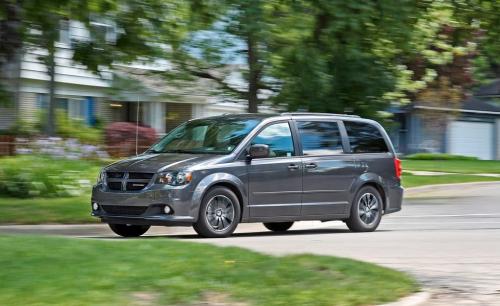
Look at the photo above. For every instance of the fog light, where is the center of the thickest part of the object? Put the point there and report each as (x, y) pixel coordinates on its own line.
(167, 209)
(95, 206)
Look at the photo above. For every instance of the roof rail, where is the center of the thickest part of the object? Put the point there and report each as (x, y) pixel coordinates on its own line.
(320, 114)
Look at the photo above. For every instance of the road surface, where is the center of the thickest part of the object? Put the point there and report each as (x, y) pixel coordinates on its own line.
(450, 242)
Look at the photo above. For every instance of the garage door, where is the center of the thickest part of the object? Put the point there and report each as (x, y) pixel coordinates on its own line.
(471, 139)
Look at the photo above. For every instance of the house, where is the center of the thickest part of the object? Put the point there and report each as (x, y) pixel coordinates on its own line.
(471, 129)
(125, 93)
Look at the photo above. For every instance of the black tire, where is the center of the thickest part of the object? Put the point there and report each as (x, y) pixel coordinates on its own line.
(128, 230)
(212, 225)
(278, 226)
(366, 210)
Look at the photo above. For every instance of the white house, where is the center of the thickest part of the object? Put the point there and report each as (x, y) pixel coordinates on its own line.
(87, 96)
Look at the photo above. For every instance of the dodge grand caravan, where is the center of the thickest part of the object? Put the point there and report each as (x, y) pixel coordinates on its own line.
(216, 172)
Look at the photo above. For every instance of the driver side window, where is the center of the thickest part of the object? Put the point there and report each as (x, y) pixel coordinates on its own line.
(279, 139)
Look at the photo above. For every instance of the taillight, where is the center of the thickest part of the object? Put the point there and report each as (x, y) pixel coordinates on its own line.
(398, 167)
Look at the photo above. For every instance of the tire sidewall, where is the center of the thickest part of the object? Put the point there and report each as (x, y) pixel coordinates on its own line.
(203, 227)
(278, 226)
(129, 231)
(355, 220)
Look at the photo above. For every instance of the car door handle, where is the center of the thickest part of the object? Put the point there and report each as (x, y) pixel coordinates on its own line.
(311, 165)
(293, 166)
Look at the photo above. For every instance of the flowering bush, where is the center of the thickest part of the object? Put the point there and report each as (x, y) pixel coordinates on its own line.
(60, 148)
(120, 138)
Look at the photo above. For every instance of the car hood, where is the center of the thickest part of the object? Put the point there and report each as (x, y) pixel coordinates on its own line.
(159, 162)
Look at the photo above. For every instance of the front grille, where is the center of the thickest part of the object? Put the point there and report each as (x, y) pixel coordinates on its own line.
(115, 174)
(115, 185)
(124, 210)
(136, 186)
(128, 181)
(140, 176)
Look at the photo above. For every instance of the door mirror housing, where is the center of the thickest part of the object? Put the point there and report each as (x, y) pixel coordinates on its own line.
(258, 151)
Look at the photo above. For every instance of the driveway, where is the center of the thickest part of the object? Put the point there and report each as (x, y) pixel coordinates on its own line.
(451, 242)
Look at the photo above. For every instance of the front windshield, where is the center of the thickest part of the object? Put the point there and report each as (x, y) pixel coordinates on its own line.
(212, 135)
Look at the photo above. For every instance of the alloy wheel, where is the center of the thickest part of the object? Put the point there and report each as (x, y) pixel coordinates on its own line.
(368, 208)
(220, 212)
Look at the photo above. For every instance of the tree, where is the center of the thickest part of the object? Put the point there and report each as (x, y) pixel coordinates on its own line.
(134, 21)
(342, 56)
(10, 23)
(228, 41)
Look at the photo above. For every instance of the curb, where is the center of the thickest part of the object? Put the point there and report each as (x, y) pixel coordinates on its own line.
(416, 299)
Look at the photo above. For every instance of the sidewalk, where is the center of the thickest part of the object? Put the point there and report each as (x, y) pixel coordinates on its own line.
(452, 190)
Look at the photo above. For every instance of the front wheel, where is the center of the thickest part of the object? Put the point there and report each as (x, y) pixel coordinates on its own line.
(219, 213)
(366, 210)
(278, 226)
(128, 230)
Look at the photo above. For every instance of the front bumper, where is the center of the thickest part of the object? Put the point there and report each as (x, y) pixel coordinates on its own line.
(145, 207)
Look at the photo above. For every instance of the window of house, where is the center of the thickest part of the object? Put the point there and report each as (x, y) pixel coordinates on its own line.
(279, 139)
(365, 138)
(320, 137)
(42, 102)
(64, 32)
(103, 32)
(76, 108)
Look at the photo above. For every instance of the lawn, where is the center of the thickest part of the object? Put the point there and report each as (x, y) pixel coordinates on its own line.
(453, 166)
(45, 210)
(421, 180)
(160, 271)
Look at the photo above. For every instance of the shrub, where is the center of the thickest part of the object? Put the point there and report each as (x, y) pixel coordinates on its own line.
(41, 176)
(120, 138)
(438, 156)
(77, 129)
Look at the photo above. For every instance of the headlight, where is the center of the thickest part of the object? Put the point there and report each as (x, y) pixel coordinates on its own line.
(101, 177)
(177, 178)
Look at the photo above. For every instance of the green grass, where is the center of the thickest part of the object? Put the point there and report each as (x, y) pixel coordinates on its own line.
(45, 210)
(454, 166)
(62, 271)
(421, 180)
(439, 156)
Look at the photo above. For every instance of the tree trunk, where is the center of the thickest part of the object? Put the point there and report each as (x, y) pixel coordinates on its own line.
(51, 116)
(253, 75)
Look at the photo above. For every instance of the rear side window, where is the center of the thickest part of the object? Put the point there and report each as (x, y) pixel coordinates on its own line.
(320, 137)
(365, 138)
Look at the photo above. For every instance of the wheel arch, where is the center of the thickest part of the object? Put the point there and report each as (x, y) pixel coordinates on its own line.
(226, 180)
(234, 189)
(373, 180)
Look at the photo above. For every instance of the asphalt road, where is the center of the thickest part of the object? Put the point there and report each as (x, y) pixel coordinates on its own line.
(450, 242)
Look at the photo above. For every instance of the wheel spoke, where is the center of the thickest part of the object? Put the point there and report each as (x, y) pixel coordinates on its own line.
(368, 208)
(220, 212)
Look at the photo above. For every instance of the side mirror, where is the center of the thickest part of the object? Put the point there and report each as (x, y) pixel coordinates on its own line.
(258, 151)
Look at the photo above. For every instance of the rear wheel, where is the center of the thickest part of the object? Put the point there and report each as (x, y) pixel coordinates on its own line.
(128, 230)
(278, 226)
(366, 210)
(219, 213)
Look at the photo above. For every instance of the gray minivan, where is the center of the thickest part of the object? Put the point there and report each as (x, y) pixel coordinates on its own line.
(213, 173)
